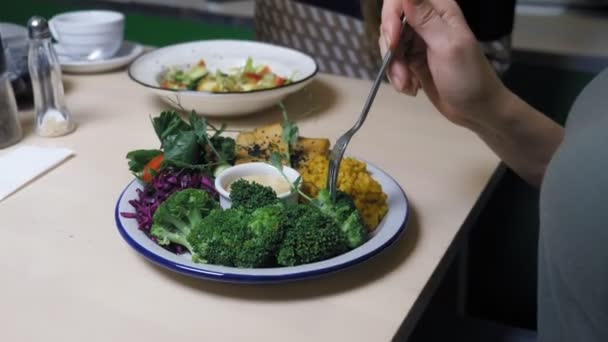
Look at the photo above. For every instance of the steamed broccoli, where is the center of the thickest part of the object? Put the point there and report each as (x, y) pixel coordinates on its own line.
(265, 233)
(251, 195)
(219, 237)
(345, 214)
(310, 236)
(235, 237)
(179, 214)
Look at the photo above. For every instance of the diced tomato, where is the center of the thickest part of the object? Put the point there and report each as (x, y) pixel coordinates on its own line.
(165, 84)
(253, 76)
(279, 81)
(153, 165)
(264, 70)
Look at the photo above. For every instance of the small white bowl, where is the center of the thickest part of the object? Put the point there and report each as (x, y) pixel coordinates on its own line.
(242, 170)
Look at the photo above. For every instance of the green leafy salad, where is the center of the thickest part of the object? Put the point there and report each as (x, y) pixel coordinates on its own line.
(178, 206)
(241, 79)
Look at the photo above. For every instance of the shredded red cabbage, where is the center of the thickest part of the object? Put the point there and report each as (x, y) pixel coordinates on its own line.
(163, 184)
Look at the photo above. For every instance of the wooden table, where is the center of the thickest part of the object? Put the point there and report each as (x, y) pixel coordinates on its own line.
(67, 275)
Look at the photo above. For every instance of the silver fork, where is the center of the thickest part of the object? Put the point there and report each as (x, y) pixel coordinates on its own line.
(337, 151)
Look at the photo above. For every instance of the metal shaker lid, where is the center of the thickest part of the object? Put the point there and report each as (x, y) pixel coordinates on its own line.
(38, 28)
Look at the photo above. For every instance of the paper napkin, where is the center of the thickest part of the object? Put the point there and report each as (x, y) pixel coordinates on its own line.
(20, 166)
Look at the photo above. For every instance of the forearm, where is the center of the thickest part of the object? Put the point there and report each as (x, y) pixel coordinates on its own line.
(524, 138)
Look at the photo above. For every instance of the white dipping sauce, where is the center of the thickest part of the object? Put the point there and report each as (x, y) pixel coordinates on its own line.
(278, 184)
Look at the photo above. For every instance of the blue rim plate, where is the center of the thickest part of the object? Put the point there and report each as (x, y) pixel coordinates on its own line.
(391, 227)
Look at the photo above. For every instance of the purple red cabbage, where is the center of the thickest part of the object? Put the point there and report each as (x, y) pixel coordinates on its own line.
(162, 185)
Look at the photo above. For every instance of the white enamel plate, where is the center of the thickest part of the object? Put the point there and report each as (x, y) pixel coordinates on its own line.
(224, 55)
(393, 224)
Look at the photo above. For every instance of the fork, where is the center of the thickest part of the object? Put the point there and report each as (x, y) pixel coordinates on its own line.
(337, 152)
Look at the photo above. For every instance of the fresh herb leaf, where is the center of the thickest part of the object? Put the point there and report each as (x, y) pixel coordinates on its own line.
(297, 182)
(218, 131)
(186, 144)
(183, 148)
(168, 123)
(276, 159)
(290, 129)
(139, 158)
(199, 126)
(225, 147)
(289, 135)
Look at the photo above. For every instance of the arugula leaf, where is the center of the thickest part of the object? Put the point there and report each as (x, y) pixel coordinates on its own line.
(167, 124)
(139, 158)
(186, 144)
(183, 148)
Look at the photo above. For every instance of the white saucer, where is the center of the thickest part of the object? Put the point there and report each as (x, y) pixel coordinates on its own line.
(127, 53)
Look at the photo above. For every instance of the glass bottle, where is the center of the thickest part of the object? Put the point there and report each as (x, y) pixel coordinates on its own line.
(52, 116)
(10, 128)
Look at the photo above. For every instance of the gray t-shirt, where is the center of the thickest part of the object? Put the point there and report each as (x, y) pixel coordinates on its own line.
(573, 246)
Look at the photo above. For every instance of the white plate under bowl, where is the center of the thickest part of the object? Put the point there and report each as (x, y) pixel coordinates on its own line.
(224, 55)
(127, 53)
(393, 224)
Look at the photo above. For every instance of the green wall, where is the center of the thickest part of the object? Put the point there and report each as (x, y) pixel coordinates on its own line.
(146, 26)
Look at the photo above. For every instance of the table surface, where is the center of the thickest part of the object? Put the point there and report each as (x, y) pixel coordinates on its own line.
(67, 275)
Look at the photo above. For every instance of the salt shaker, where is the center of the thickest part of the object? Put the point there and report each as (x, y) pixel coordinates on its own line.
(10, 128)
(52, 116)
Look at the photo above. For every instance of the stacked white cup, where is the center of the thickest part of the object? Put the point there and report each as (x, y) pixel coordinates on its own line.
(88, 35)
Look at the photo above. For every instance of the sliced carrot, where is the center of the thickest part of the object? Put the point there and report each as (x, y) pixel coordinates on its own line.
(153, 165)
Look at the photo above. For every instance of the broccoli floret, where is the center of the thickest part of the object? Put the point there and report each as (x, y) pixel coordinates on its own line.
(235, 237)
(251, 195)
(310, 236)
(179, 214)
(265, 233)
(346, 215)
(217, 239)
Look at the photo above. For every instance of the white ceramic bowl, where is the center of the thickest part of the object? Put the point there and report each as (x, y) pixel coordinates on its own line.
(224, 55)
(248, 169)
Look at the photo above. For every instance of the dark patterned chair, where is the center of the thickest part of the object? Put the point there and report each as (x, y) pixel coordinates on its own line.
(340, 43)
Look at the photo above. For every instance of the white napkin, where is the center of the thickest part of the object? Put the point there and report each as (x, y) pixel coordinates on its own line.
(22, 165)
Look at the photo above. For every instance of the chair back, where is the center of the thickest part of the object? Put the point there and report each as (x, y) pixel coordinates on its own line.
(339, 43)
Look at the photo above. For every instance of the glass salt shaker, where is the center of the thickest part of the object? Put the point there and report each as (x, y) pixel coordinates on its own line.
(10, 128)
(52, 116)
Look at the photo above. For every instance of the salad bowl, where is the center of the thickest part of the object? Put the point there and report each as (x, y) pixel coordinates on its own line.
(224, 55)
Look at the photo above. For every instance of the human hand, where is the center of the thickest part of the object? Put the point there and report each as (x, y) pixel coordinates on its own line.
(440, 54)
